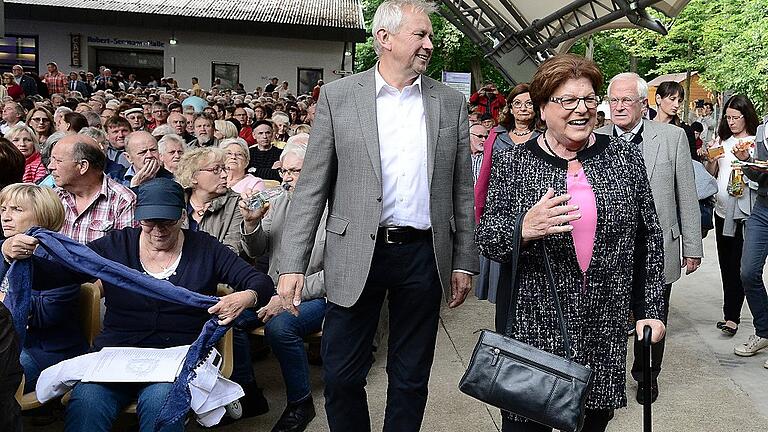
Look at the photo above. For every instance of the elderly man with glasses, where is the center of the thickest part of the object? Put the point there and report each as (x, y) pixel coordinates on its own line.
(477, 136)
(94, 204)
(670, 171)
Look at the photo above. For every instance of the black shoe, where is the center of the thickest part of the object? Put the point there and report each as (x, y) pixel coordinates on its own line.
(296, 417)
(641, 392)
(254, 403)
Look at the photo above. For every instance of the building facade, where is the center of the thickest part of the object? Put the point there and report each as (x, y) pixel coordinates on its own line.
(233, 48)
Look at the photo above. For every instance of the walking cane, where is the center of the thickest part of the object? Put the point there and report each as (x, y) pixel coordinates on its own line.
(647, 421)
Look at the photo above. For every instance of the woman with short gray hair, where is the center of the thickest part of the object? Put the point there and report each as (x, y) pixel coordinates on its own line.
(237, 159)
(171, 147)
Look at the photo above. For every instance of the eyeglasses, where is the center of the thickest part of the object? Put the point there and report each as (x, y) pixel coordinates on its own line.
(625, 101)
(479, 136)
(237, 155)
(291, 171)
(162, 224)
(40, 119)
(570, 102)
(518, 104)
(734, 118)
(159, 111)
(58, 161)
(218, 169)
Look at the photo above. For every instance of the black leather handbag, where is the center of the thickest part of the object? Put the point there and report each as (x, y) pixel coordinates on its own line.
(525, 380)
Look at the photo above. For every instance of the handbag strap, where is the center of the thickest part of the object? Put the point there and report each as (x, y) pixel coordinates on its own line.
(512, 306)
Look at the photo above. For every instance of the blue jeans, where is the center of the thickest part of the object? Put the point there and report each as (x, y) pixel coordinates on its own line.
(31, 371)
(285, 334)
(752, 261)
(95, 406)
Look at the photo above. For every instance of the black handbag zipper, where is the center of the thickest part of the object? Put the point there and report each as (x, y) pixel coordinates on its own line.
(497, 352)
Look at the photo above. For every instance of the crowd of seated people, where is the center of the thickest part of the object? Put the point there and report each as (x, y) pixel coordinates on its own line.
(147, 177)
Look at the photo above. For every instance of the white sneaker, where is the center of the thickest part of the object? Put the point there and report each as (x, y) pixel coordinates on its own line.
(754, 344)
(765, 365)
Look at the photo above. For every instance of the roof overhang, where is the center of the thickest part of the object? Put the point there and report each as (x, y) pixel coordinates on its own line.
(517, 35)
(350, 28)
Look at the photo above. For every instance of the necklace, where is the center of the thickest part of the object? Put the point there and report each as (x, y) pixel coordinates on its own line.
(199, 210)
(521, 133)
(174, 255)
(575, 156)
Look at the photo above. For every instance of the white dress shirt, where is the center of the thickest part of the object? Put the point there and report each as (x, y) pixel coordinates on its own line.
(402, 128)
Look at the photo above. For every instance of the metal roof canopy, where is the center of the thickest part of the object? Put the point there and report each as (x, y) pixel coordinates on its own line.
(517, 35)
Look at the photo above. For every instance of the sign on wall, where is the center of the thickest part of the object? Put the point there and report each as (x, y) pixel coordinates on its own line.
(75, 49)
(461, 81)
(126, 42)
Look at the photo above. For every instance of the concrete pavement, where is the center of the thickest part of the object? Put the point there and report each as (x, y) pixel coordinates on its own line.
(704, 386)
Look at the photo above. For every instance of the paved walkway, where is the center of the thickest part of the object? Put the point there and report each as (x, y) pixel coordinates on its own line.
(704, 387)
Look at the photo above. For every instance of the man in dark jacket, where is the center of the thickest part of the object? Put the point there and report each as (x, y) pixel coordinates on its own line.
(25, 81)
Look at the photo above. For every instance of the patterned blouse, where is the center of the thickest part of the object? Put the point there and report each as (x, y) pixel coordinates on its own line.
(627, 251)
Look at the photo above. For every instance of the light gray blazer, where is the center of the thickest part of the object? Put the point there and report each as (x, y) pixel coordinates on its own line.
(343, 166)
(670, 172)
(267, 240)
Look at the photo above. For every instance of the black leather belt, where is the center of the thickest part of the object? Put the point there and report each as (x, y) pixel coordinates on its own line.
(402, 235)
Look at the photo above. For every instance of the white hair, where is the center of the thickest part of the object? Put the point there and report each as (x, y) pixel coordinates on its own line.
(300, 139)
(60, 111)
(171, 137)
(296, 149)
(96, 133)
(389, 16)
(223, 144)
(642, 85)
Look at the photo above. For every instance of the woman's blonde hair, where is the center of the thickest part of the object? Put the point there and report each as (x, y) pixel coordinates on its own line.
(226, 128)
(45, 204)
(16, 130)
(192, 160)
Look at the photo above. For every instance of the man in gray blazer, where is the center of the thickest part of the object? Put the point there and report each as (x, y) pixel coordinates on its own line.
(389, 151)
(670, 172)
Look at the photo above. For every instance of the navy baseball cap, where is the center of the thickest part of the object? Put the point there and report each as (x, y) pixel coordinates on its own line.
(159, 198)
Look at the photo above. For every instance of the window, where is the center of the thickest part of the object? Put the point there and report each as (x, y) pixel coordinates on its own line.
(308, 79)
(227, 73)
(17, 49)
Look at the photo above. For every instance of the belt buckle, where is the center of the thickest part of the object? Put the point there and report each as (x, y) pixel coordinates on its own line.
(387, 240)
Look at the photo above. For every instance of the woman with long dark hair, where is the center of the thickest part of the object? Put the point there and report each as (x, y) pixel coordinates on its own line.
(669, 96)
(733, 202)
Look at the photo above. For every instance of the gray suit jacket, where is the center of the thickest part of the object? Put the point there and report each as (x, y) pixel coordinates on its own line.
(267, 239)
(343, 166)
(670, 172)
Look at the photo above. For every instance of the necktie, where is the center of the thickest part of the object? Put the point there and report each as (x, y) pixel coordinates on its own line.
(627, 136)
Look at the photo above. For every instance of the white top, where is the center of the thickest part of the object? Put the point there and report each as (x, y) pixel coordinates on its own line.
(402, 127)
(165, 274)
(724, 175)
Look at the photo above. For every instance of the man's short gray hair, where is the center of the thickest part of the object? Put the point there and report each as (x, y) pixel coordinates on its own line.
(168, 138)
(642, 85)
(97, 134)
(298, 150)
(93, 119)
(389, 16)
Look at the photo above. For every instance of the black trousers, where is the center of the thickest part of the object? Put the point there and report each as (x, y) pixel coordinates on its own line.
(657, 351)
(594, 421)
(407, 274)
(729, 255)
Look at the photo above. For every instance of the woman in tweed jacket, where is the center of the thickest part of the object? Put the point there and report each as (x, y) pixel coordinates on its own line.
(586, 199)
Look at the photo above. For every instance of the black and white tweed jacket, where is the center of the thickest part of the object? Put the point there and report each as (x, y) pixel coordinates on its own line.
(628, 249)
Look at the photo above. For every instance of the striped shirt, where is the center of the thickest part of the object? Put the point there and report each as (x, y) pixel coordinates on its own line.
(477, 162)
(34, 168)
(111, 209)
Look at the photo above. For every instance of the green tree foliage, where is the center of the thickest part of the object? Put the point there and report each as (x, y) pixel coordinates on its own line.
(453, 51)
(728, 40)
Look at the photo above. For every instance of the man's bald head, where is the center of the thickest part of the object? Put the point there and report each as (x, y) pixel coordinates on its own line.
(140, 147)
(81, 148)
